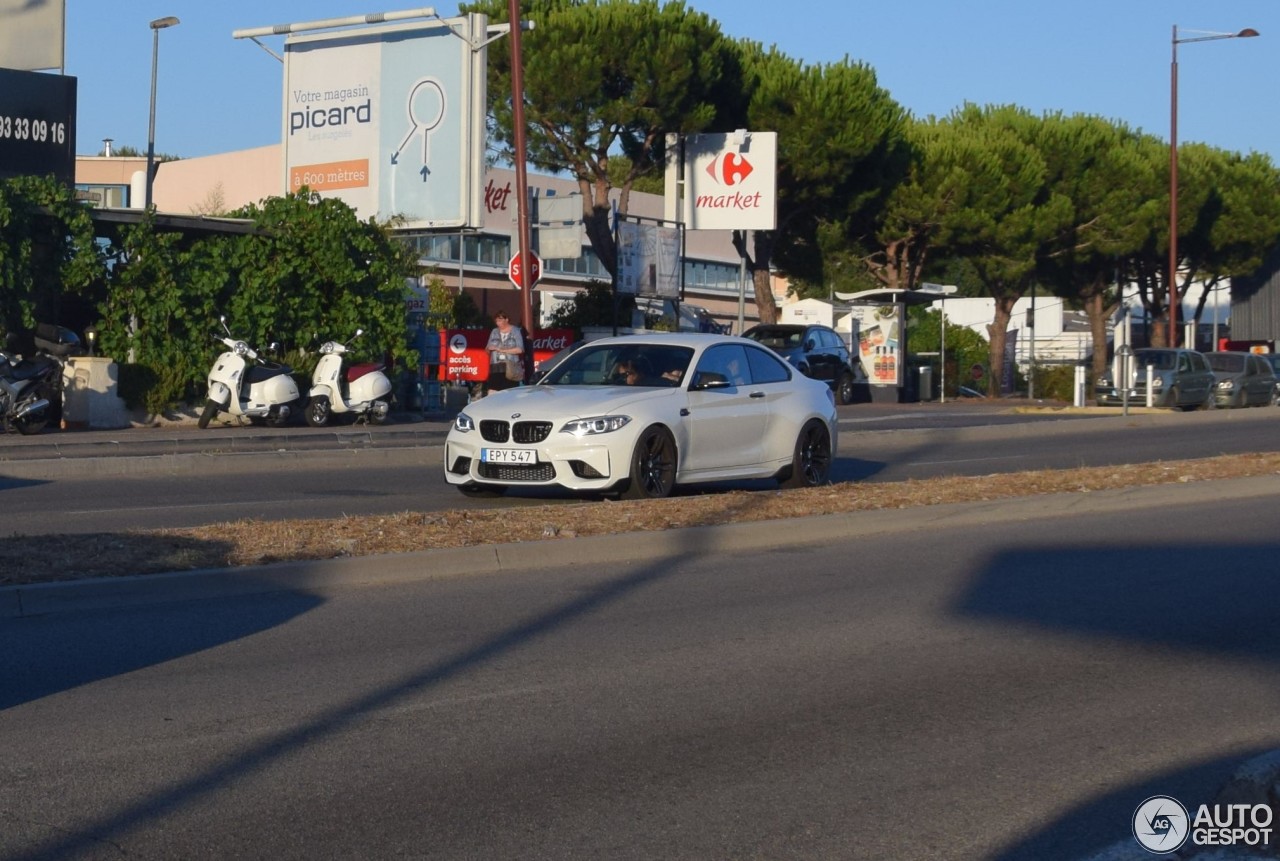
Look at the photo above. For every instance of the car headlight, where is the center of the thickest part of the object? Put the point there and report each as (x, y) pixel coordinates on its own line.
(463, 423)
(1104, 380)
(1157, 382)
(598, 424)
(1225, 385)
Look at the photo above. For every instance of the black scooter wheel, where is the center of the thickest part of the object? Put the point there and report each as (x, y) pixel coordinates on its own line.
(210, 410)
(318, 411)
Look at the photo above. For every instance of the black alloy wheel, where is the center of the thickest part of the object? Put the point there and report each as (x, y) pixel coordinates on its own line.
(653, 465)
(317, 411)
(811, 463)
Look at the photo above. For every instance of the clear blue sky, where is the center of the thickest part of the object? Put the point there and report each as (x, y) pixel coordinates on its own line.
(1109, 58)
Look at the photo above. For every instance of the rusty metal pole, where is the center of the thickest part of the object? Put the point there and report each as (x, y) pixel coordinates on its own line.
(524, 230)
(1171, 338)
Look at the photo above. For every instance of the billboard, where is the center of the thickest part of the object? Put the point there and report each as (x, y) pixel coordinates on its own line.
(31, 34)
(880, 342)
(649, 260)
(390, 119)
(37, 125)
(723, 181)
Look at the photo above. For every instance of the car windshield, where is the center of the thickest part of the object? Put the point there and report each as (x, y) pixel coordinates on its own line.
(1161, 360)
(648, 365)
(1230, 363)
(776, 336)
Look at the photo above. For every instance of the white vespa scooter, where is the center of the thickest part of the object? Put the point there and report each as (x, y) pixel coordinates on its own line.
(243, 384)
(361, 389)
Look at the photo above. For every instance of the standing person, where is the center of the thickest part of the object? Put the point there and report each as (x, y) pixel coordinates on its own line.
(506, 346)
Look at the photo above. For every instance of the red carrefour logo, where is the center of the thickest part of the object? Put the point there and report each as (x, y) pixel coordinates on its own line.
(729, 168)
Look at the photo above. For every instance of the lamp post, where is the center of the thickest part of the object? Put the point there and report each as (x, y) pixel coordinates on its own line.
(1201, 36)
(156, 26)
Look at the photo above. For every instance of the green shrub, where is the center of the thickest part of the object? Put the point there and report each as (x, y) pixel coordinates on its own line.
(135, 384)
(1056, 382)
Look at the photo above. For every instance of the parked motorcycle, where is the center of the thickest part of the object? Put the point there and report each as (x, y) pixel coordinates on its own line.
(26, 385)
(242, 383)
(362, 389)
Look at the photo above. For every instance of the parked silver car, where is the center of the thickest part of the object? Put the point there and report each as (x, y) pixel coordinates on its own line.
(1243, 379)
(1180, 379)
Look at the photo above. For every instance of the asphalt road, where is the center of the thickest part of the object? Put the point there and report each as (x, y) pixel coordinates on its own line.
(155, 479)
(1010, 686)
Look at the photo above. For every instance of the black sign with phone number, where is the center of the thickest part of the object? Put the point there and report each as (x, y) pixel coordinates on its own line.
(37, 125)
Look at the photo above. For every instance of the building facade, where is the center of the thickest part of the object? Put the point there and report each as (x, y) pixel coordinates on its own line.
(473, 260)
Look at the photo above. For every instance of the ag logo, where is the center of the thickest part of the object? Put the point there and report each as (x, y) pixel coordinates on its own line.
(1160, 824)
(729, 169)
(458, 344)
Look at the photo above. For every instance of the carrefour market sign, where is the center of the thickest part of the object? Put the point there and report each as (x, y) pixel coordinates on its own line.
(730, 181)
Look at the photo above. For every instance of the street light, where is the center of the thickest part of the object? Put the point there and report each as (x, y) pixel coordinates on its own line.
(156, 26)
(1202, 36)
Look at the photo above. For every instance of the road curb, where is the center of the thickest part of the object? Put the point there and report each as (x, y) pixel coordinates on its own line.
(319, 576)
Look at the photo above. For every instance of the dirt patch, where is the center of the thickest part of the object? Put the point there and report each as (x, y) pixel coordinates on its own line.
(44, 558)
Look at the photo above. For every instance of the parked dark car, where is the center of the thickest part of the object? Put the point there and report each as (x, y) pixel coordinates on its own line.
(1243, 379)
(1273, 359)
(1180, 379)
(816, 351)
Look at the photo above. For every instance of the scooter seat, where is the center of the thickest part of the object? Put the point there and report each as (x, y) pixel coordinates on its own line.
(260, 373)
(355, 372)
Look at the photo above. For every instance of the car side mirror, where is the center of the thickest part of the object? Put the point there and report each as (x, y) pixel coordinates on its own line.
(709, 380)
(809, 345)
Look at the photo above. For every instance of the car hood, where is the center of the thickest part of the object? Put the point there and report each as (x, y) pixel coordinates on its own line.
(563, 402)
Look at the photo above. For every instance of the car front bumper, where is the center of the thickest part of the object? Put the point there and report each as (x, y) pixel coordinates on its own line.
(579, 465)
(1113, 397)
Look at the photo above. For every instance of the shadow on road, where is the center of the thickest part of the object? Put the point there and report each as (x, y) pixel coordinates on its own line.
(38, 659)
(121, 641)
(1216, 601)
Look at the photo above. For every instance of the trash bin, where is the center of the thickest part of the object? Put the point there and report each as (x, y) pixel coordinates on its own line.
(926, 383)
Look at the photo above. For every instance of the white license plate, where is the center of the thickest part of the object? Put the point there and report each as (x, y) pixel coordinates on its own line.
(508, 455)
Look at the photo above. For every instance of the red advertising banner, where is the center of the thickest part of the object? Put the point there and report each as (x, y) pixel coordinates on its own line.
(464, 356)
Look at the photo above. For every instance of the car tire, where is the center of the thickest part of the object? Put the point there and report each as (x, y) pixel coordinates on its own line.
(653, 465)
(844, 390)
(811, 460)
(481, 491)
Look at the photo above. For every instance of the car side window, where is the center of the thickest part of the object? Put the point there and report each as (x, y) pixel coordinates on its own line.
(729, 361)
(766, 368)
(1183, 363)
